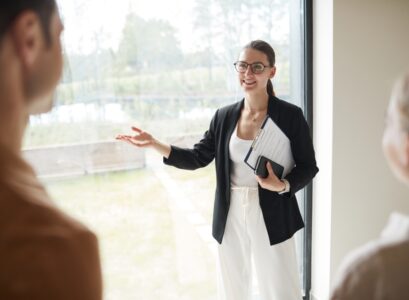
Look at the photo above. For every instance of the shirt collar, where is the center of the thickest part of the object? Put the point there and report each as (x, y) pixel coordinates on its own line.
(397, 227)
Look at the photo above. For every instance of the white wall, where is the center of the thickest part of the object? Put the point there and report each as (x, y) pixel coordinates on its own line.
(323, 119)
(360, 47)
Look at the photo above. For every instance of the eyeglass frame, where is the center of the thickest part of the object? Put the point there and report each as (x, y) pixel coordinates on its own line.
(251, 66)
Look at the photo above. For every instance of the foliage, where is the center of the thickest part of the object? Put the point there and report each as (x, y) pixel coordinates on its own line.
(154, 81)
(148, 45)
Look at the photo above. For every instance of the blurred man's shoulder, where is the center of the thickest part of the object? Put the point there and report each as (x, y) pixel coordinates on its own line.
(24, 214)
(43, 248)
(394, 257)
(378, 267)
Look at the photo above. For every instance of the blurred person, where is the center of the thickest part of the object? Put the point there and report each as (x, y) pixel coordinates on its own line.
(380, 269)
(252, 216)
(44, 254)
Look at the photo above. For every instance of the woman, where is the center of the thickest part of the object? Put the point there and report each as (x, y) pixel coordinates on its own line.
(252, 216)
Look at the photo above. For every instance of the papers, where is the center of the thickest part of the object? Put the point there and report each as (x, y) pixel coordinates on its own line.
(272, 143)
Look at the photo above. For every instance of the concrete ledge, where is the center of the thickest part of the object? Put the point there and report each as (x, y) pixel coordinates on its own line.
(82, 159)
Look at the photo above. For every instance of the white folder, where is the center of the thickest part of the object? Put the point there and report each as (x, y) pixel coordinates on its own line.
(272, 143)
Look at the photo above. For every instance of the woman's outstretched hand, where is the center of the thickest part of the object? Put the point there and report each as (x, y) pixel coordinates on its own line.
(140, 139)
(143, 139)
(271, 182)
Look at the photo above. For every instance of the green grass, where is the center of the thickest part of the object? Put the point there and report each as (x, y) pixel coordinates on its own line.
(199, 186)
(142, 242)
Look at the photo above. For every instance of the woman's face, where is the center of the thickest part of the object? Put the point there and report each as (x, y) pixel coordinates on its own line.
(395, 144)
(249, 81)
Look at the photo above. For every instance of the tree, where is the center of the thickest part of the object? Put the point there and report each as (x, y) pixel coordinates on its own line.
(204, 24)
(148, 45)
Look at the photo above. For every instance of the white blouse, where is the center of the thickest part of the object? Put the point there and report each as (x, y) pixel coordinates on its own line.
(241, 175)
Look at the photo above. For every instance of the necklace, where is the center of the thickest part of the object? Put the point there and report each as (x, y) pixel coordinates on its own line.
(255, 116)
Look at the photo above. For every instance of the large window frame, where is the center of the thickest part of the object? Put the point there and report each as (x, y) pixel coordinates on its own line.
(307, 25)
(303, 75)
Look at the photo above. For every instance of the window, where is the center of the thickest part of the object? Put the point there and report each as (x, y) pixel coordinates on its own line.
(164, 66)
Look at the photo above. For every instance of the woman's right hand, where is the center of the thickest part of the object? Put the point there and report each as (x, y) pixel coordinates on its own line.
(140, 139)
(143, 139)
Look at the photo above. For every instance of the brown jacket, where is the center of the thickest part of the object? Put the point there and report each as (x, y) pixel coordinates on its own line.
(378, 270)
(44, 254)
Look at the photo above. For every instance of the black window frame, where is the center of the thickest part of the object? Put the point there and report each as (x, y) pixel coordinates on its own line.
(307, 27)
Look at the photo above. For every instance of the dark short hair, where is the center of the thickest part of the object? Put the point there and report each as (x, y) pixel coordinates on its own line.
(10, 9)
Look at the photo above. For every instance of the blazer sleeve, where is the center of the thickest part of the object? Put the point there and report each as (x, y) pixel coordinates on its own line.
(200, 156)
(303, 152)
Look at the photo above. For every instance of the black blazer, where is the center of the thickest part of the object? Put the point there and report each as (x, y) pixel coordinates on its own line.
(281, 213)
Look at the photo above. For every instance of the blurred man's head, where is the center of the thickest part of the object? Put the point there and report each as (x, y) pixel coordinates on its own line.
(396, 134)
(30, 41)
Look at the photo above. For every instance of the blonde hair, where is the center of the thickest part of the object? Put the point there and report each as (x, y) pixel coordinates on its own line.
(400, 97)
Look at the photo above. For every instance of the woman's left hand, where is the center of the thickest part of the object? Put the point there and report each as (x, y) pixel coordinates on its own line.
(271, 182)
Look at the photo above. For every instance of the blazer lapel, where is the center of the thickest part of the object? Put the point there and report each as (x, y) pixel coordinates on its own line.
(231, 121)
(272, 109)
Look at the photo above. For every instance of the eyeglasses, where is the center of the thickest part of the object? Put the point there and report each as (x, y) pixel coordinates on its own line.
(256, 68)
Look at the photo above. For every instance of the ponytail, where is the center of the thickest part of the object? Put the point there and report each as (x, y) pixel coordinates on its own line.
(270, 89)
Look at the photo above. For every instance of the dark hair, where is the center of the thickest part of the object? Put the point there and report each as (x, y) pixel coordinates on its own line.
(264, 47)
(10, 9)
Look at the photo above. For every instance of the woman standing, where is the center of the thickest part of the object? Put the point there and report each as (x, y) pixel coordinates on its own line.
(252, 216)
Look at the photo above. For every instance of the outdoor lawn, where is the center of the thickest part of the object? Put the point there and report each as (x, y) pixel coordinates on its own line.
(149, 248)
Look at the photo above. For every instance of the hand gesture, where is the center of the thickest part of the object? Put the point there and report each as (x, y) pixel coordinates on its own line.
(140, 139)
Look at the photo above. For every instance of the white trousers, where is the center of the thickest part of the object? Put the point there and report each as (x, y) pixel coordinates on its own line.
(245, 237)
